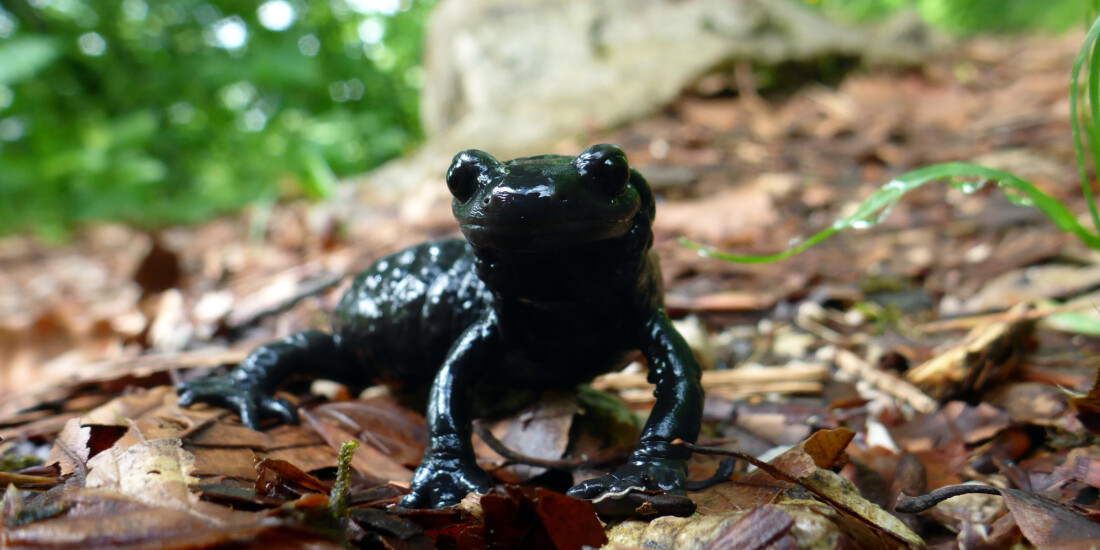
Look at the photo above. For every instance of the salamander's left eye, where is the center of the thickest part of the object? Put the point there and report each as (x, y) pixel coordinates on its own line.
(605, 166)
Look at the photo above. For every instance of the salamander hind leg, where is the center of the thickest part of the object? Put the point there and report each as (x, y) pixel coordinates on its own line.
(401, 315)
(249, 388)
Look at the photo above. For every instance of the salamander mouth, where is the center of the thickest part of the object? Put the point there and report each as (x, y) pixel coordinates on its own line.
(539, 236)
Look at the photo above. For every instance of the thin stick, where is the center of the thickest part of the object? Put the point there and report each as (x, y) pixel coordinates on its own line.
(780, 474)
(972, 321)
(884, 381)
(28, 483)
(911, 505)
(482, 431)
(759, 376)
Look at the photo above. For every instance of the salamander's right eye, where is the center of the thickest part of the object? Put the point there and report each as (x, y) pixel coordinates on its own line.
(469, 169)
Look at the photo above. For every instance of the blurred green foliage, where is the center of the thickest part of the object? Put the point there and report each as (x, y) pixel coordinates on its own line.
(970, 16)
(161, 112)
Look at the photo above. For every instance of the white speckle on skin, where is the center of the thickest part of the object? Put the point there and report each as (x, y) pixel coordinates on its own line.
(542, 191)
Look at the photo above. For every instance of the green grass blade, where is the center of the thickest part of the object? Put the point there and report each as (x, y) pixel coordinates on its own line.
(875, 208)
(1077, 322)
(1093, 122)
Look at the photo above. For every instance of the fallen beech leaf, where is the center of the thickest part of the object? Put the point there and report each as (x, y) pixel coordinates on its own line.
(155, 471)
(1043, 521)
(236, 463)
(539, 431)
(760, 528)
(1031, 284)
(280, 292)
(1087, 471)
(273, 472)
(860, 517)
(382, 423)
(909, 477)
(737, 214)
(100, 518)
(367, 460)
(132, 405)
(457, 527)
(826, 447)
(799, 524)
(1032, 403)
(387, 527)
(537, 518)
(944, 463)
(955, 421)
(754, 489)
(760, 487)
(237, 495)
(77, 443)
(1088, 406)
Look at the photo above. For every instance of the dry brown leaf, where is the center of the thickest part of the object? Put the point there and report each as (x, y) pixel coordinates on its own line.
(79, 442)
(156, 472)
(99, 518)
(699, 533)
(863, 521)
(382, 423)
(539, 431)
(275, 472)
(215, 462)
(763, 527)
(955, 421)
(130, 406)
(1088, 406)
(1032, 284)
(759, 487)
(826, 447)
(737, 215)
(367, 460)
(1030, 402)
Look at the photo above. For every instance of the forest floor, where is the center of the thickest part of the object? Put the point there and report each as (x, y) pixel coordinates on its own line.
(947, 345)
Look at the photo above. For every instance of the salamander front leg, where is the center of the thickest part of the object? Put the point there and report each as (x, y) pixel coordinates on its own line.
(449, 471)
(656, 465)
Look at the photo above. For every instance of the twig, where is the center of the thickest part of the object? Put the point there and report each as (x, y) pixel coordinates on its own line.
(28, 483)
(972, 321)
(482, 431)
(273, 298)
(760, 378)
(721, 475)
(912, 505)
(884, 381)
(784, 476)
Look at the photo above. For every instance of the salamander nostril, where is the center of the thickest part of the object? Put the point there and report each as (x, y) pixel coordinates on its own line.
(486, 201)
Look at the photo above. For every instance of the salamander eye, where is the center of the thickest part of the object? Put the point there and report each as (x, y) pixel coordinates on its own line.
(605, 166)
(469, 169)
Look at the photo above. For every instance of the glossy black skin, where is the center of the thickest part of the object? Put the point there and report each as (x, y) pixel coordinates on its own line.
(555, 285)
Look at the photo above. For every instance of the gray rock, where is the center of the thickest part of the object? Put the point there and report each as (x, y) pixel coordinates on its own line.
(515, 77)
